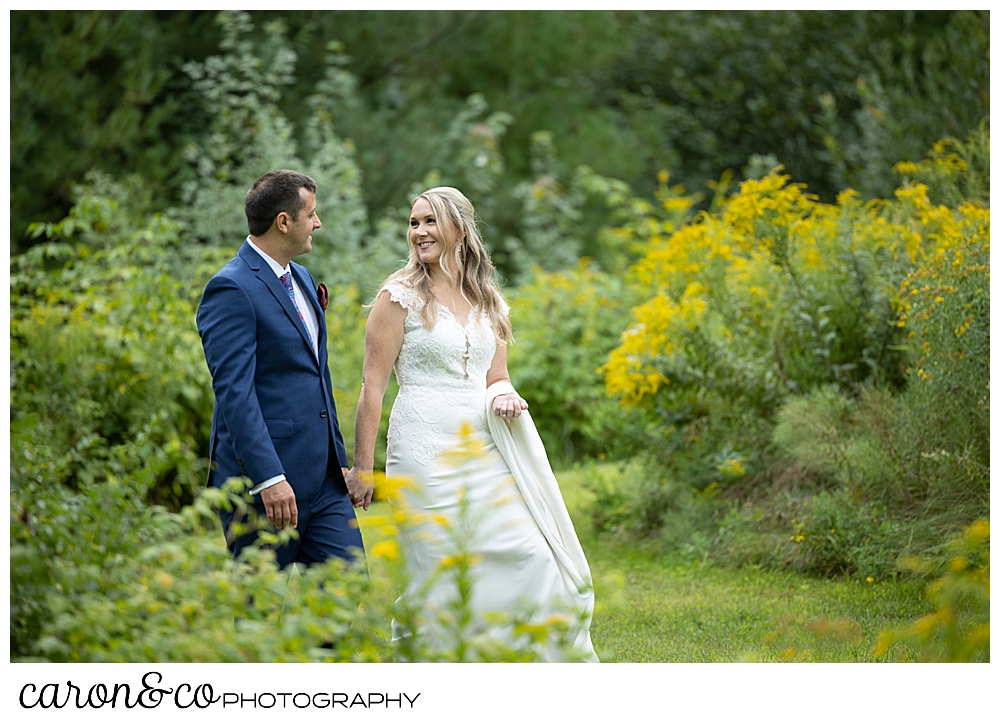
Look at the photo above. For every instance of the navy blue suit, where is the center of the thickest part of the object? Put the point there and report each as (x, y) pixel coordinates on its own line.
(274, 409)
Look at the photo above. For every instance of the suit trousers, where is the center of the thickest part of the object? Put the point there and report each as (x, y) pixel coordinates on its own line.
(327, 526)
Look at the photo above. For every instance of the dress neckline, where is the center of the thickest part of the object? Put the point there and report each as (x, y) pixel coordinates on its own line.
(468, 319)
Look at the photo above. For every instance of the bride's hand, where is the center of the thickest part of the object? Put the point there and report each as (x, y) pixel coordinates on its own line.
(360, 487)
(508, 406)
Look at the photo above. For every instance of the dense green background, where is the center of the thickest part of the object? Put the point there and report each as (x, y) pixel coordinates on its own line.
(837, 97)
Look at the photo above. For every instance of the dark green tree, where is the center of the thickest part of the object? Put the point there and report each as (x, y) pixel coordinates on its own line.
(97, 89)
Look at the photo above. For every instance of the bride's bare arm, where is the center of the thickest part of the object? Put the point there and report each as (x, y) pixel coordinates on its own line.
(383, 340)
(504, 405)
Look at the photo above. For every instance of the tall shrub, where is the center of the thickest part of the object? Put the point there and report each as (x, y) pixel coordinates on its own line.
(104, 354)
(776, 295)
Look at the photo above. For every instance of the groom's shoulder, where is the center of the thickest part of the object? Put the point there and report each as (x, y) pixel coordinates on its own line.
(235, 274)
(234, 266)
(229, 274)
(238, 266)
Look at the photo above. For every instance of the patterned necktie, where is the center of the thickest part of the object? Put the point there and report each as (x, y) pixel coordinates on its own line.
(286, 280)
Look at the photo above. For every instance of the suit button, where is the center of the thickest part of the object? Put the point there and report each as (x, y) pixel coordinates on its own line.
(323, 414)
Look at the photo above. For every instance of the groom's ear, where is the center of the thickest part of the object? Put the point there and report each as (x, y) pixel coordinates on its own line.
(282, 220)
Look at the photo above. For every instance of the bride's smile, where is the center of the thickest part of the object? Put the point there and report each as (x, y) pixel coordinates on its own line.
(426, 233)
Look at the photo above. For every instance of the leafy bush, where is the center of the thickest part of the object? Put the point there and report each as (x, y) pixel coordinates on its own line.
(627, 498)
(565, 323)
(923, 452)
(842, 535)
(954, 172)
(844, 345)
(818, 431)
(104, 354)
(774, 294)
(99, 575)
(250, 134)
(945, 458)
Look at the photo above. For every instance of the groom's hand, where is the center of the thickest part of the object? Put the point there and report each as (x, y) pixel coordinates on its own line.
(279, 502)
(360, 486)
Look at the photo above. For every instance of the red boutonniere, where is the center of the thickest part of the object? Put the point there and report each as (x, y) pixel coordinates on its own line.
(324, 296)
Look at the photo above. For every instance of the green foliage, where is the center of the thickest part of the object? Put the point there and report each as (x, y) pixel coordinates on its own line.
(954, 171)
(931, 80)
(250, 134)
(958, 631)
(936, 449)
(565, 323)
(836, 97)
(769, 296)
(858, 333)
(247, 134)
(416, 71)
(634, 499)
(843, 535)
(923, 452)
(98, 575)
(96, 89)
(828, 379)
(105, 361)
(816, 430)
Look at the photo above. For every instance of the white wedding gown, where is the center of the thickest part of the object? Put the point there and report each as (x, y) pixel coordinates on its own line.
(464, 493)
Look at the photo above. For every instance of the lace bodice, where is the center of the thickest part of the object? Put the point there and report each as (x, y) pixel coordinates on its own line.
(441, 373)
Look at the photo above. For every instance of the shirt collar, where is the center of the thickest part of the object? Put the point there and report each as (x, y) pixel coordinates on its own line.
(275, 266)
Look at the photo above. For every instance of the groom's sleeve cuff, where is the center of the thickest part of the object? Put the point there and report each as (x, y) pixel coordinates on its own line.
(267, 483)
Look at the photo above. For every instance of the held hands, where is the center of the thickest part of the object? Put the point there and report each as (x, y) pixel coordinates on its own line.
(508, 406)
(360, 486)
(279, 503)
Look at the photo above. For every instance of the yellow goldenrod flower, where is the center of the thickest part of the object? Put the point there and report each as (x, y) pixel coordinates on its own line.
(387, 549)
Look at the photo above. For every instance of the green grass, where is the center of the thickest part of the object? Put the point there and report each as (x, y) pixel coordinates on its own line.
(656, 609)
(653, 605)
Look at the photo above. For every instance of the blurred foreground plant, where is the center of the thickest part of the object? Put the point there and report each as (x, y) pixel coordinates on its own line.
(99, 575)
(958, 631)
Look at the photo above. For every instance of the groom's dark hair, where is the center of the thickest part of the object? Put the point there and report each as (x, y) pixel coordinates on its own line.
(272, 193)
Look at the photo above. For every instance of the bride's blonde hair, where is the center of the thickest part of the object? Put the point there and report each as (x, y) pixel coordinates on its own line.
(464, 260)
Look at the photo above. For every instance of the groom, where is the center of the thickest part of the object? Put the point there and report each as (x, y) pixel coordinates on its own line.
(275, 422)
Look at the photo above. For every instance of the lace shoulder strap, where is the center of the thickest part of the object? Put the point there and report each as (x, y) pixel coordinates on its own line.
(504, 306)
(403, 295)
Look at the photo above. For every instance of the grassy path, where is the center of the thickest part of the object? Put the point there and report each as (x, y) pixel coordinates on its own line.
(652, 609)
(654, 606)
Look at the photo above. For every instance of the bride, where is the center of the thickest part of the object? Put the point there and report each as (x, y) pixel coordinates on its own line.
(442, 323)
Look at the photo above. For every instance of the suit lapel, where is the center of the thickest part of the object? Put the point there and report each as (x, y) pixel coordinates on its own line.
(310, 293)
(277, 289)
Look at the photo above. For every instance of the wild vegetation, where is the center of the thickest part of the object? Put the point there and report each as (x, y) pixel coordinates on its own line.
(747, 256)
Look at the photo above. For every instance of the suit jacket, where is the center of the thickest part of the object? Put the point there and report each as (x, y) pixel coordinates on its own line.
(274, 409)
